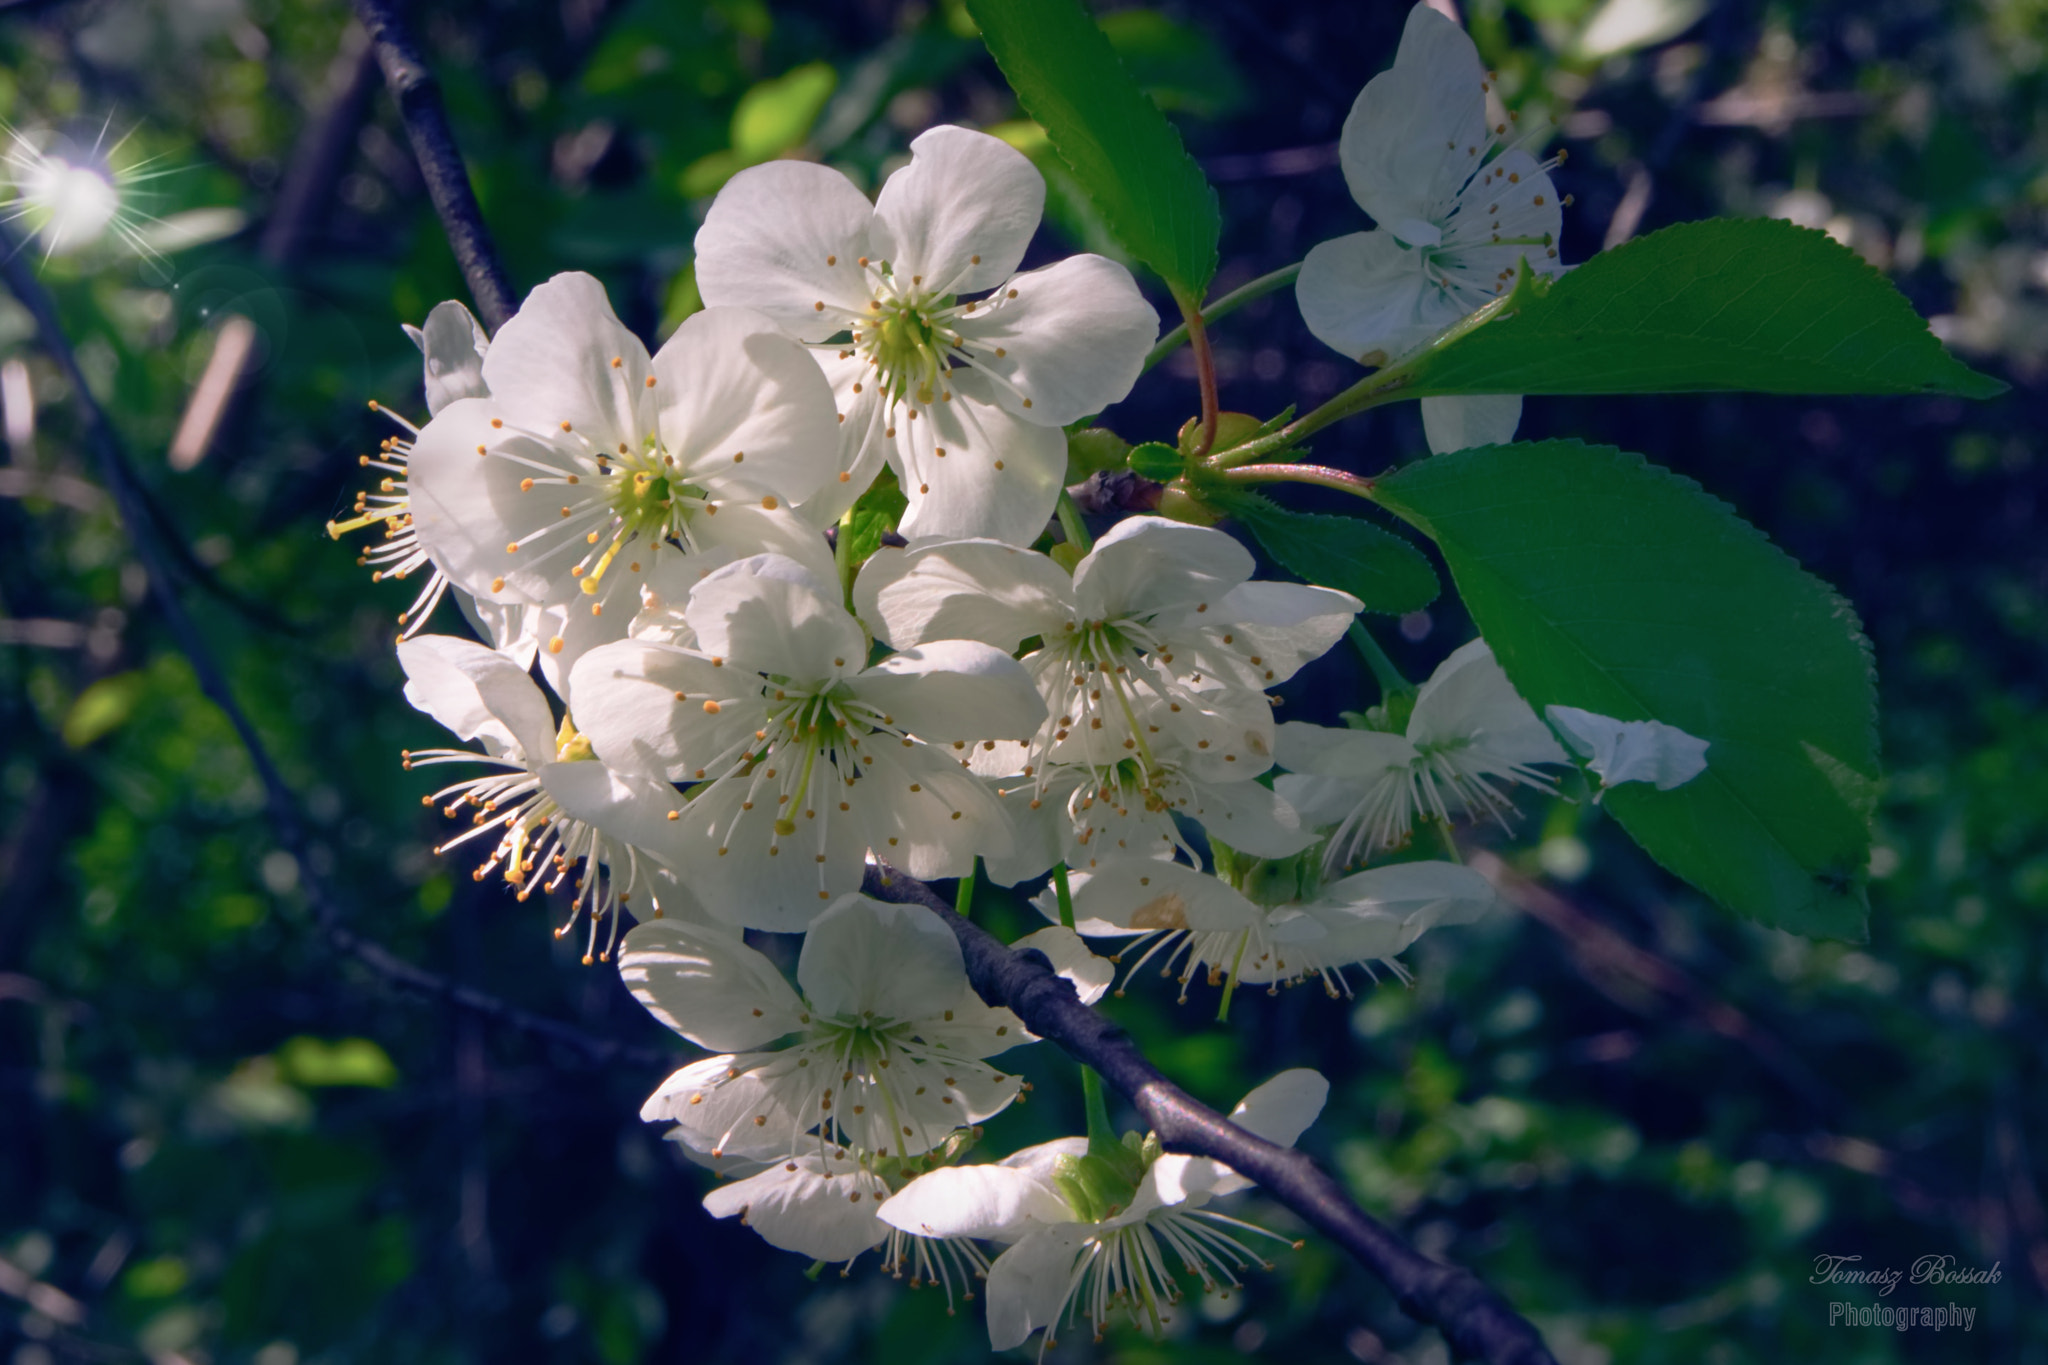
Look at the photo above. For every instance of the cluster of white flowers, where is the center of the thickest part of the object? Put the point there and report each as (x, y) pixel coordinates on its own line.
(748, 719)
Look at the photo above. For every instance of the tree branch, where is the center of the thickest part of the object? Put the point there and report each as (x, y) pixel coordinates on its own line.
(418, 96)
(1477, 1323)
(126, 489)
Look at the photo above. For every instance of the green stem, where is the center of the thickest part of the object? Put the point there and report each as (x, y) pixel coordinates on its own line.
(1383, 669)
(1098, 1112)
(1443, 828)
(1071, 523)
(963, 899)
(842, 555)
(1229, 303)
(1205, 379)
(1063, 894)
(1322, 476)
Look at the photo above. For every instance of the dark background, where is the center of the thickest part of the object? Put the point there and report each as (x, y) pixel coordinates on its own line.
(224, 1140)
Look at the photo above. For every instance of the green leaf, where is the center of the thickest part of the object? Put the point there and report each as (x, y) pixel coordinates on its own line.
(1123, 152)
(1156, 460)
(874, 516)
(102, 708)
(1606, 583)
(309, 1061)
(1374, 565)
(1754, 304)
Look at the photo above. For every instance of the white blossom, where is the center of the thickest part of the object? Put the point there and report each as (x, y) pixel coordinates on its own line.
(887, 1038)
(1278, 923)
(587, 464)
(803, 757)
(1093, 1231)
(965, 399)
(1469, 731)
(1459, 205)
(550, 802)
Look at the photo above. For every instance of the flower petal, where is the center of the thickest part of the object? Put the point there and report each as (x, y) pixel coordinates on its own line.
(929, 816)
(1250, 818)
(1469, 700)
(739, 401)
(986, 590)
(466, 509)
(825, 1211)
(769, 236)
(628, 809)
(1327, 751)
(751, 523)
(1369, 297)
(1418, 130)
(552, 364)
(960, 214)
(1090, 976)
(769, 614)
(749, 873)
(1073, 338)
(478, 693)
(1001, 1203)
(643, 708)
(1149, 564)
(453, 345)
(1029, 1284)
(724, 1108)
(1417, 896)
(1632, 750)
(1462, 423)
(999, 476)
(708, 985)
(1281, 1109)
(1139, 895)
(959, 691)
(865, 956)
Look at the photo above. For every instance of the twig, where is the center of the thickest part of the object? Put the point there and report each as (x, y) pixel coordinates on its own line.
(433, 142)
(1476, 1322)
(122, 483)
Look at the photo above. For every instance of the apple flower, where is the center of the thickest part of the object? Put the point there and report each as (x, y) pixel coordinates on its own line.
(1459, 206)
(966, 399)
(549, 801)
(1267, 922)
(887, 1037)
(803, 757)
(1468, 731)
(1090, 1224)
(587, 464)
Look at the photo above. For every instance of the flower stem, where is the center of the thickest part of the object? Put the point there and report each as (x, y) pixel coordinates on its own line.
(963, 899)
(1205, 376)
(1098, 1111)
(842, 554)
(1320, 475)
(1071, 523)
(1383, 670)
(1063, 894)
(1229, 303)
(1443, 828)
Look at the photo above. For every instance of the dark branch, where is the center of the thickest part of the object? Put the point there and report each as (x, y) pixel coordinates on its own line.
(126, 489)
(418, 96)
(1478, 1323)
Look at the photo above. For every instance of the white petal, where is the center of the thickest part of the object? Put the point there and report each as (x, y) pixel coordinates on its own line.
(770, 614)
(552, 363)
(708, 985)
(927, 815)
(768, 236)
(1418, 130)
(954, 690)
(453, 345)
(1470, 699)
(740, 401)
(1379, 912)
(1462, 423)
(1632, 750)
(1250, 818)
(745, 525)
(1029, 1284)
(1328, 751)
(630, 809)
(1139, 895)
(718, 1111)
(634, 719)
(894, 961)
(984, 590)
(1284, 624)
(862, 449)
(1090, 975)
(1173, 1180)
(566, 631)
(1000, 475)
(467, 508)
(1281, 1110)
(1366, 295)
(1001, 1203)
(478, 693)
(1074, 339)
(963, 195)
(1149, 564)
(827, 1216)
(1319, 802)
(747, 873)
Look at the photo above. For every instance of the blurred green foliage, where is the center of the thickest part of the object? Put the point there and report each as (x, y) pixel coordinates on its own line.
(223, 1141)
